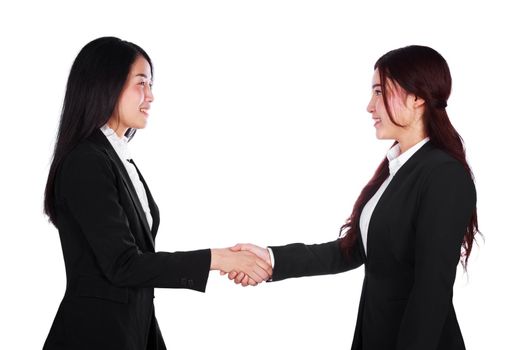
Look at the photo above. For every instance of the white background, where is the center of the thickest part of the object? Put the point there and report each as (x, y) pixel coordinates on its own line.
(259, 134)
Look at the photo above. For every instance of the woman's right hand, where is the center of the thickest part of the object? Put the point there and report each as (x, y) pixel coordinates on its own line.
(240, 277)
(253, 268)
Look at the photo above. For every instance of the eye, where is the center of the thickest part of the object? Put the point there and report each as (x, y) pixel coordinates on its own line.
(144, 83)
(377, 92)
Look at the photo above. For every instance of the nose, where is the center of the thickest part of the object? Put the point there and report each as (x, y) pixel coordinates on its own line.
(371, 108)
(149, 94)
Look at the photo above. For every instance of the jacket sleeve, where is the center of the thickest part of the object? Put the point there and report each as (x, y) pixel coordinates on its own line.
(301, 260)
(87, 187)
(447, 201)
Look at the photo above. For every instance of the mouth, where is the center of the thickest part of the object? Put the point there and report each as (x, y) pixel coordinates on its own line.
(377, 121)
(144, 111)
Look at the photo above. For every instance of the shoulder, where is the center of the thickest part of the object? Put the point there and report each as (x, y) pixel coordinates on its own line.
(440, 170)
(436, 160)
(88, 158)
(87, 168)
(86, 151)
(435, 157)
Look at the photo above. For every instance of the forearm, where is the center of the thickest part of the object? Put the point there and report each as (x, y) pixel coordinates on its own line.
(300, 260)
(161, 270)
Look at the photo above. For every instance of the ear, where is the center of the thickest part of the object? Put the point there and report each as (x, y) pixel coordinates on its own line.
(414, 101)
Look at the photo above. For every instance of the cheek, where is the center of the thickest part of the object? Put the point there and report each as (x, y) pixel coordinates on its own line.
(381, 107)
(132, 98)
(396, 109)
(126, 108)
(133, 94)
(136, 94)
(378, 104)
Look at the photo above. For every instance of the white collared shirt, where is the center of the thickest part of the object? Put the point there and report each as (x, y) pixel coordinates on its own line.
(395, 162)
(120, 145)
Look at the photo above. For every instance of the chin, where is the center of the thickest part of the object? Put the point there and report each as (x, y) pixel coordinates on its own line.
(140, 125)
(380, 135)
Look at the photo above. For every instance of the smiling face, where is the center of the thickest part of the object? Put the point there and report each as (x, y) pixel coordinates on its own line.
(406, 110)
(135, 99)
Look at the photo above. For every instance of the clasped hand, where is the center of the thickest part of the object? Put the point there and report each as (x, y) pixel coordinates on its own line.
(245, 264)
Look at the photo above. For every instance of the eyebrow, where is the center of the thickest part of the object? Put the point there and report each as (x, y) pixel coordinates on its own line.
(142, 75)
(376, 85)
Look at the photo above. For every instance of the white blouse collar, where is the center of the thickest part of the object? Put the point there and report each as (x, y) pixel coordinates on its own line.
(396, 160)
(120, 144)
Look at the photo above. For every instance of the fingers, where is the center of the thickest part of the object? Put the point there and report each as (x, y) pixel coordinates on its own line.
(236, 248)
(258, 273)
(249, 247)
(266, 267)
(246, 268)
(245, 281)
(248, 281)
(240, 276)
(259, 251)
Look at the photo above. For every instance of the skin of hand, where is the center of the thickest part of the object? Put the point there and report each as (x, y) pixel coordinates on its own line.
(240, 277)
(254, 268)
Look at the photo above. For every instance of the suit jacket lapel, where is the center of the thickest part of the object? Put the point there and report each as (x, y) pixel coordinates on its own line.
(404, 170)
(101, 140)
(154, 210)
(385, 197)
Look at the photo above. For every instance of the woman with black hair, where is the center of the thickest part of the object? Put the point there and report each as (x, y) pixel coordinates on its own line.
(105, 214)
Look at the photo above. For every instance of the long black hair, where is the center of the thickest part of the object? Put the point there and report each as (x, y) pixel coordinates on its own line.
(95, 83)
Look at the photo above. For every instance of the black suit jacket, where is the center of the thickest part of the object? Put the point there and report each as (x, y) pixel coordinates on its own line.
(413, 248)
(110, 258)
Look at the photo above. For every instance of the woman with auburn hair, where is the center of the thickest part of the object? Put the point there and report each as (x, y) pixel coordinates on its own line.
(413, 221)
(105, 213)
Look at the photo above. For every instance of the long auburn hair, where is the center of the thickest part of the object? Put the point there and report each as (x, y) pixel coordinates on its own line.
(421, 71)
(93, 88)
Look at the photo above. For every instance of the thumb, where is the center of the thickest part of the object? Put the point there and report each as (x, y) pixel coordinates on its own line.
(237, 248)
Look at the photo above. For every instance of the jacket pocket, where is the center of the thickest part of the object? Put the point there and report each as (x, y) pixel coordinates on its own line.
(99, 288)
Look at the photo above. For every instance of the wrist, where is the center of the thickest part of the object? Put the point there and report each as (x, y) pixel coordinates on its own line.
(217, 255)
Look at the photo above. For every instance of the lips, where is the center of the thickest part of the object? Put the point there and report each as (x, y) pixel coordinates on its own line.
(144, 110)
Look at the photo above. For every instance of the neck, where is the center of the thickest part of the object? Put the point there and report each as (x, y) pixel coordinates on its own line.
(409, 141)
(120, 131)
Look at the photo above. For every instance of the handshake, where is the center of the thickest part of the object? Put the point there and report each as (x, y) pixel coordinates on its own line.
(245, 264)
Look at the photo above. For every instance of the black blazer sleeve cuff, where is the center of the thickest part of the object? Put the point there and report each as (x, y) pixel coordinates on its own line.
(189, 270)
